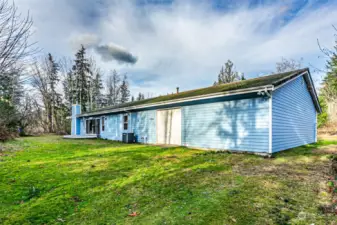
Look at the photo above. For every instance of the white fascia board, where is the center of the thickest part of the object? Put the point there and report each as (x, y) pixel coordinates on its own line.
(182, 100)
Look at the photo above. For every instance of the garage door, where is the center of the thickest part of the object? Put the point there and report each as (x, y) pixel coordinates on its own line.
(169, 126)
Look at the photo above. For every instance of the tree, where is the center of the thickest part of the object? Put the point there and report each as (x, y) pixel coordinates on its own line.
(227, 74)
(46, 80)
(14, 51)
(125, 92)
(53, 79)
(95, 86)
(14, 35)
(140, 96)
(328, 91)
(132, 98)
(113, 84)
(81, 71)
(286, 65)
(329, 88)
(69, 88)
(96, 93)
(8, 120)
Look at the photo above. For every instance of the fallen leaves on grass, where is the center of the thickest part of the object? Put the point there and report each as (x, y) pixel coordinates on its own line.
(133, 214)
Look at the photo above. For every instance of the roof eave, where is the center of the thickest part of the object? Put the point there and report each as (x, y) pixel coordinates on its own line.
(182, 100)
(310, 85)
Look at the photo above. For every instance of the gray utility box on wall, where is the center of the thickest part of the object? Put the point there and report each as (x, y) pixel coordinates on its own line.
(128, 137)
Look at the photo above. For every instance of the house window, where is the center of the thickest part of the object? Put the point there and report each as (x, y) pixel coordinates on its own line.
(126, 122)
(103, 123)
(92, 126)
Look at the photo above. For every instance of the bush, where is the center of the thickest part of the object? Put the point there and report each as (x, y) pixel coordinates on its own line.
(322, 118)
(8, 121)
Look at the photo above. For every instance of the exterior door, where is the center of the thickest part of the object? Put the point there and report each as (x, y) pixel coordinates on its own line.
(169, 126)
(98, 127)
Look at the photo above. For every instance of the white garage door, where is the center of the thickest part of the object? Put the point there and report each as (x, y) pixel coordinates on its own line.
(169, 126)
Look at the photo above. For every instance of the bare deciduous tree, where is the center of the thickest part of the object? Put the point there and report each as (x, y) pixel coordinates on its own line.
(113, 84)
(14, 34)
(228, 74)
(286, 65)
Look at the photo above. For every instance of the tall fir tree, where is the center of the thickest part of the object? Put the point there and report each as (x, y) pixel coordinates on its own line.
(97, 90)
(81, 70)
(125, 92)
(53, 79)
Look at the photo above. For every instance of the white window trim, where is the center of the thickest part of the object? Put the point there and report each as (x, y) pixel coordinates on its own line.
(126, 114)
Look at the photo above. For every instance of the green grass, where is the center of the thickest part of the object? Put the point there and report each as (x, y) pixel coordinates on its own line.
(49, 180)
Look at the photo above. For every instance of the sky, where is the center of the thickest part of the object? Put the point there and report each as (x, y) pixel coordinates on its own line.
(164, 44)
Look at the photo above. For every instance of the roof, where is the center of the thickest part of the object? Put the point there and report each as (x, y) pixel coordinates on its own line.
(269, 81)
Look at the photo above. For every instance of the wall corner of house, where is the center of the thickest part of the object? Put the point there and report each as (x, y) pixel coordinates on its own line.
(270, 150)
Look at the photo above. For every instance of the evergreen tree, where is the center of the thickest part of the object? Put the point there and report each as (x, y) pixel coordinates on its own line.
(125, 92)
(96, 93)
(53, 79)
(132, 98)
(81, 71)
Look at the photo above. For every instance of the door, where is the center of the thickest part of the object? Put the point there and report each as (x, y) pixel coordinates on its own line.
(98, 127)
(169, 126)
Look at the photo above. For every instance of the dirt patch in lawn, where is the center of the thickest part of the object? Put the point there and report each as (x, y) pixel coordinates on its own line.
(329, 149)
(317, 171)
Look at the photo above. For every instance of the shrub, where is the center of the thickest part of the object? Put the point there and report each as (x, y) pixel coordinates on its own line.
(322, 118)
(8, 121)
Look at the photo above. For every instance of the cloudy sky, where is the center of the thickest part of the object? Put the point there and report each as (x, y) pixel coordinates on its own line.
(165, 44)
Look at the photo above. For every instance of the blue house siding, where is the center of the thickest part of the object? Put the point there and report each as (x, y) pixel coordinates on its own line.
(113, 127)
(241, 125)
(248, 122)
(293, 116)
(144, 126)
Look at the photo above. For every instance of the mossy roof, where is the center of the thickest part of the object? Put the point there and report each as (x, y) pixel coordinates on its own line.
(274, 79)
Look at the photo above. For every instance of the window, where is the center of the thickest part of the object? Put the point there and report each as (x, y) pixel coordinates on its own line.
(92, 126)
(125, 122)
(103, 123)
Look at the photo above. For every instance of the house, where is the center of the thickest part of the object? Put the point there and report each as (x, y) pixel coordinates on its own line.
(262, 115)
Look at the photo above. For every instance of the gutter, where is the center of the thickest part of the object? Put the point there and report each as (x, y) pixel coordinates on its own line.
(260, 89)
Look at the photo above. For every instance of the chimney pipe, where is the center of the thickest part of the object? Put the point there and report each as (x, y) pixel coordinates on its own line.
(177, 90)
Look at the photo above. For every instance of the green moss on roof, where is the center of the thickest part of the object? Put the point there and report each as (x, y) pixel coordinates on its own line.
(274, 79)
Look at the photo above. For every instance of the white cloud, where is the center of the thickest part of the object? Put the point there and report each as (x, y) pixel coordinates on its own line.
(185, 44)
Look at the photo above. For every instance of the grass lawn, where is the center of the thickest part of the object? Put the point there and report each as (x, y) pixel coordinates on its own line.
(49, 180)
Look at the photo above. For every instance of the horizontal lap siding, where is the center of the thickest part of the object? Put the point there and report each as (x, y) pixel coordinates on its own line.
(113, 127)
(241, 125)
(294, 116)
(144, 126)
